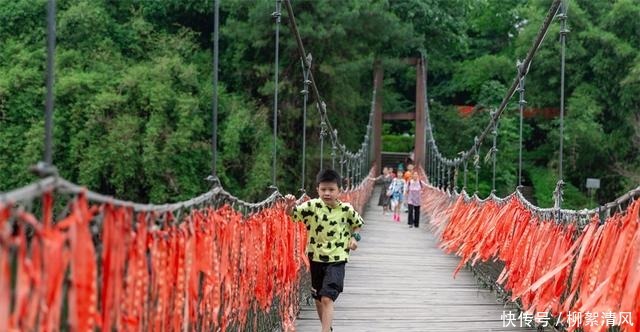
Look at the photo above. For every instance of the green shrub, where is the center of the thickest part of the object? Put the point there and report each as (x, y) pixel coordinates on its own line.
(397, 143)
(544, 183)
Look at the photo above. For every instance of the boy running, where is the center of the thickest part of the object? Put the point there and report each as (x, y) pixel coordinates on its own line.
(332, 232)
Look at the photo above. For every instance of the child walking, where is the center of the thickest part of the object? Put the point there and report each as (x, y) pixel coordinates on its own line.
(396, 191)
(332, 232)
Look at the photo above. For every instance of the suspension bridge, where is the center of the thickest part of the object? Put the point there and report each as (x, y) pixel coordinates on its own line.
(76, 260)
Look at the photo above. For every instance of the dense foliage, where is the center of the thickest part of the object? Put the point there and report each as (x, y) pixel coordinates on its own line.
(133, 89)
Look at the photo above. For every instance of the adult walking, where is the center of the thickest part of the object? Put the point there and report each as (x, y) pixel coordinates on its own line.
(385, 180)
(413, 194)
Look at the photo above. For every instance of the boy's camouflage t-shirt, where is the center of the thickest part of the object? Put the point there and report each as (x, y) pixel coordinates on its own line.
(329, 229)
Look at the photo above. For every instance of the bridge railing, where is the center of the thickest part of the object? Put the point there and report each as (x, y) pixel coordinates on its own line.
(72, 259)
(556, 269)
(103, 263)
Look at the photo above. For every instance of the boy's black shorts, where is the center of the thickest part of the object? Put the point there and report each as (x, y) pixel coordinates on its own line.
(327, 279)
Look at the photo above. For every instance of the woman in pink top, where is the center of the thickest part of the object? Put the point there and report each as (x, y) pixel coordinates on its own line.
(412, 193)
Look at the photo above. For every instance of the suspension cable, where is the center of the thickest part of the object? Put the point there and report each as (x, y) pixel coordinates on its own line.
(305, 93)
(348, 170)
(427, 165)
(333, 156)
(322, 133)
(521, 104)
(465, 176)
(445, 181)
(352, 170)
(433, 163)
(277, 15)
(494, 153)
(476, 165)
(51, 53)
(455, 178)
(563, 40)
(441, 175)
(436, 172)
(214, 102)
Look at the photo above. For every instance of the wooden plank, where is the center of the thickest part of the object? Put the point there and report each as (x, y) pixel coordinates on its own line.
(399, 116)
(399, 280)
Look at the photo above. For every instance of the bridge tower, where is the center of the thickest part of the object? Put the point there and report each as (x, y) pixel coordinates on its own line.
(418, 116)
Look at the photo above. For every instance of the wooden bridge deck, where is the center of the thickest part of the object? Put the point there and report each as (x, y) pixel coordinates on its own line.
(399, 280)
